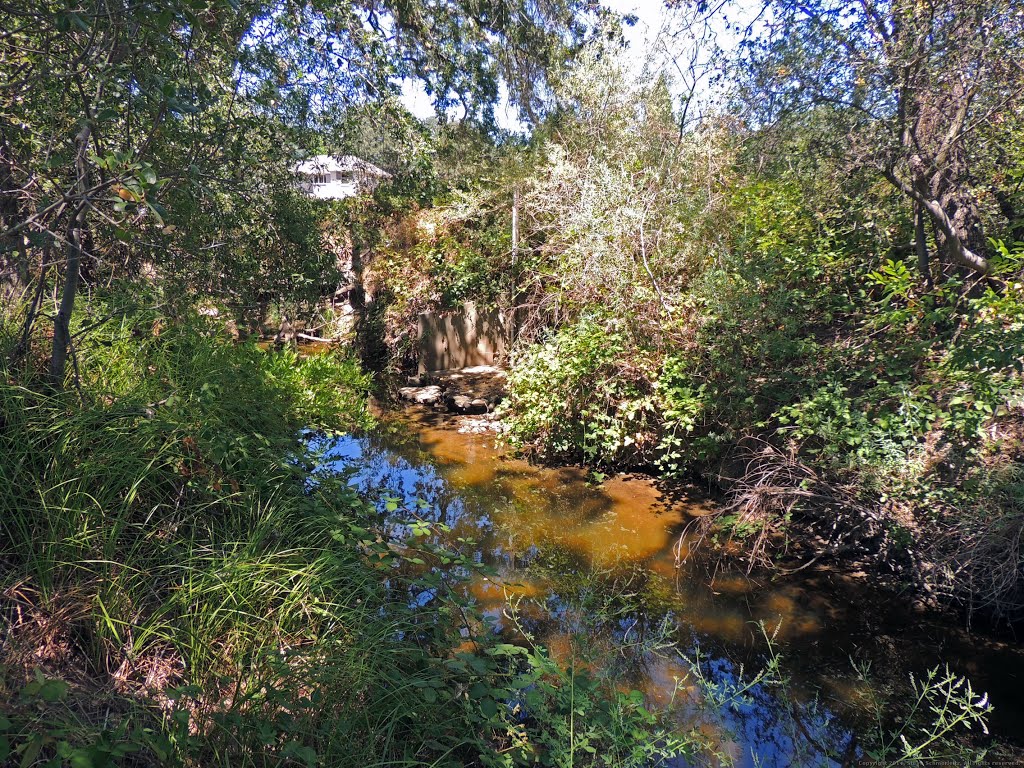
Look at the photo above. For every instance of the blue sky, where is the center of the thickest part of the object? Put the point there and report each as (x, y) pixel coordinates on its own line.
(650, 15)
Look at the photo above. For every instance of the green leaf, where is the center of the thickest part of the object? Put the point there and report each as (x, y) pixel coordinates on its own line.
(78, 21)
(489, 707)
(53, 690)
(478, 691)
(32, 750)
(159, 212)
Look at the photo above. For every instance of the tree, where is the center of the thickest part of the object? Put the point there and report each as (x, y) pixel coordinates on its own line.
(121, 119)
(914, 87)
(626, 206)
(89, 95)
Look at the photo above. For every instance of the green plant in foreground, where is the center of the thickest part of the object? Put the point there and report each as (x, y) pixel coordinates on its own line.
(942, 706)
(577, 717)
(175, 590)
(928, 728)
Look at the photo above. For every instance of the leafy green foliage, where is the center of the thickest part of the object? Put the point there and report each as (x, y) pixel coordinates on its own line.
(802, 339)
(215, 600)
(467, 266)
(570, 398)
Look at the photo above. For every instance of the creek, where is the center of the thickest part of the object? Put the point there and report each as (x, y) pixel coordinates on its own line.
(592, 571)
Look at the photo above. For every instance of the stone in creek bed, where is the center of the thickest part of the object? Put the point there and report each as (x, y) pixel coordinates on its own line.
(423, 395)
(466, 405)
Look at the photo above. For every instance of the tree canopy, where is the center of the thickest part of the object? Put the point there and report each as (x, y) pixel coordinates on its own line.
(920, 92)
(139, 134)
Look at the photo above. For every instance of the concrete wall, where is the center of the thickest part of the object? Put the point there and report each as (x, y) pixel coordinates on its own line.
(461, 339)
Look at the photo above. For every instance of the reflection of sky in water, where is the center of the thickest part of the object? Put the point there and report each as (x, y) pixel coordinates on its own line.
(381, 473)
(758, 725)
(759, 730)
(581, 562)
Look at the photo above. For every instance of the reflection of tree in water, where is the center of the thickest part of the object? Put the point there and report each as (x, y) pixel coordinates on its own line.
(768, 724)
(380, 473)
(613, 619)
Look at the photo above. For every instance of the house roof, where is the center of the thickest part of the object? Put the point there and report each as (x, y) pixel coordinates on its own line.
(333, 163)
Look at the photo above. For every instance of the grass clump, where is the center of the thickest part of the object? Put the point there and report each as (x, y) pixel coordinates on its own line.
(178, 588)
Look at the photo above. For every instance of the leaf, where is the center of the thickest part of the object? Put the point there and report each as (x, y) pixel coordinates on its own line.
(32, 750)
(53, 690)
(159, 212)
(478, 691)
(489, 707)
(78, 21)
(506, 649)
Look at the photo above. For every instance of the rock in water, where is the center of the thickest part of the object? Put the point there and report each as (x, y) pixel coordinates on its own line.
(466, 405)
(422, 395)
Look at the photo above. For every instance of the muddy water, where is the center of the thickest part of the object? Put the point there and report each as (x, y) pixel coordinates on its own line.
(592, 571)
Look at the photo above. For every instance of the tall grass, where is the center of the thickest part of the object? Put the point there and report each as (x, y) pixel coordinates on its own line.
(162, 555)
(175, 591)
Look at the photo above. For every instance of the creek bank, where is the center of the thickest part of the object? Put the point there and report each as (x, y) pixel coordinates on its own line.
(793, 518)
(773, 509)
(755, 483)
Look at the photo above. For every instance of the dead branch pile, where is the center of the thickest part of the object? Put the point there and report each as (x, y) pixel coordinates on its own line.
(784, 507)
(979, 562)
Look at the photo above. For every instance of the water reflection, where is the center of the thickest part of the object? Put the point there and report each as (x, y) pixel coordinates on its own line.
(589, 571)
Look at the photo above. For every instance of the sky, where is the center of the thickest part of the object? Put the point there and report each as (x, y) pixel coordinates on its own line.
(650, 16)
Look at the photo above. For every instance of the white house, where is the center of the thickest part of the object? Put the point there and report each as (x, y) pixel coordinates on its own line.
(333, 177)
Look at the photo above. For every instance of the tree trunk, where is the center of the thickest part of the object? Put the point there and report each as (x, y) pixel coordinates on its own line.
(73, 263)
(515, 226)
(15, 277)
(1006, 207)
(921, 244)
(955, 236)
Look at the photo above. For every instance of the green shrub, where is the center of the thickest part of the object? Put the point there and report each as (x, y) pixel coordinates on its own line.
(582, 394)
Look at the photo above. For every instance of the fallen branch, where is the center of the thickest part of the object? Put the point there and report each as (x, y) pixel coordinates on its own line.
(320, 339)
(777, 491)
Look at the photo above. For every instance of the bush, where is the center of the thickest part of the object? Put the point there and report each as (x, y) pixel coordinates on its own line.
(582, 394)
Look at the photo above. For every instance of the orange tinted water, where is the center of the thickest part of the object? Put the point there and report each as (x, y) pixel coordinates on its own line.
(589, 570)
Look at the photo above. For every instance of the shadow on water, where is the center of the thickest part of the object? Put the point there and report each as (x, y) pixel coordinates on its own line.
(589, 571)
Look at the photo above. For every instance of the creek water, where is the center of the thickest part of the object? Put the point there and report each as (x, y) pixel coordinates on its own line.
(591, 570)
